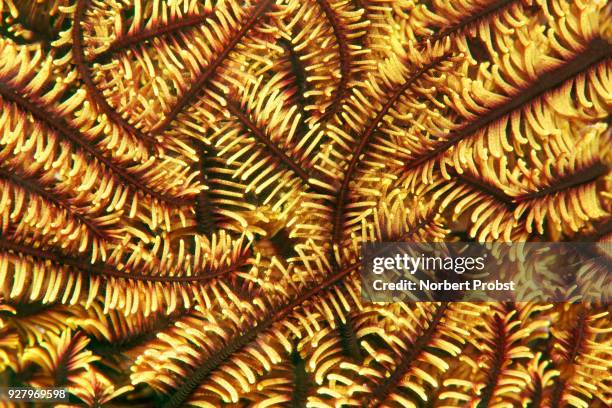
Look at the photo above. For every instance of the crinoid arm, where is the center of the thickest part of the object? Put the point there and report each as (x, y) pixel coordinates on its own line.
(186, 187)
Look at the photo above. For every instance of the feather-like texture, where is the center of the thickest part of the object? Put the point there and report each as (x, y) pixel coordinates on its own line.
(185, 187)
